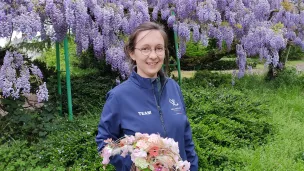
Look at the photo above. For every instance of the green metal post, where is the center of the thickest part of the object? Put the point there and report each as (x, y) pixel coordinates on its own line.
(58, 78)
(68, 79)
(177, 58)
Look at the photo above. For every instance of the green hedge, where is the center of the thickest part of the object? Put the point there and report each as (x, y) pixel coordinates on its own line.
(195, 57)
(187, 64)
(71, 147)
(295, 53)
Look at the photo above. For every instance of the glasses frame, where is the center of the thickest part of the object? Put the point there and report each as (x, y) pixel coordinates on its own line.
(159, 55)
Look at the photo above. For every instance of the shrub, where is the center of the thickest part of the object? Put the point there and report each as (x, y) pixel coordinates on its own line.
(207, 79)
(225, 65)
(286, 78)
(47, 72)
(197, 63)
(88, 92)
(223, 119)
(295, 53)
(16, 156)
(29, 124)
(196, 55)
(71, 147)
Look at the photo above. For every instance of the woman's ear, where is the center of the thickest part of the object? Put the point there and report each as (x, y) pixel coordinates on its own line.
(132, 55)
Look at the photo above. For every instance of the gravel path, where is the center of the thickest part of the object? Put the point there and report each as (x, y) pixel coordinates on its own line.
(299, 66)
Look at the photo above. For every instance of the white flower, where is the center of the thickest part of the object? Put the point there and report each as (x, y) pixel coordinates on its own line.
(138, 153)
(154, 138)
(183, 165)
(141, 163)
(142, 144)
(171, 144)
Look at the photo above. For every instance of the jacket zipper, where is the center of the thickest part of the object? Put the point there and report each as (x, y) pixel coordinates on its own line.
(158, 107)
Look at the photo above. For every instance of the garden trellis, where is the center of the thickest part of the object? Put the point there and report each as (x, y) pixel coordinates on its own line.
(67, 75)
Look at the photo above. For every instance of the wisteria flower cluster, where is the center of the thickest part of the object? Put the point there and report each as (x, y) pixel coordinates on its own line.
(104, 24)
(15, 77)
(148, 152)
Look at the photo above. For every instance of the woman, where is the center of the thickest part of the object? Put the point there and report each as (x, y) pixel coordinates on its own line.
(148, 102)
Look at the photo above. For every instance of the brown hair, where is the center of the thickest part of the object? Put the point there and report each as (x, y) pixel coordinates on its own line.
(130, 44)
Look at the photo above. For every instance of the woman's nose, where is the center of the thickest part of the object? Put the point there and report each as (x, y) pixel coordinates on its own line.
(153, 54)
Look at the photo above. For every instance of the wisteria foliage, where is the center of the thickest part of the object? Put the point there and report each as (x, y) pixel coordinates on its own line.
(251, 27)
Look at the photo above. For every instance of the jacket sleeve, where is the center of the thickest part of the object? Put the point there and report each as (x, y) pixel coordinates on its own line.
(190, 149)
(189, 145)
(109, 127)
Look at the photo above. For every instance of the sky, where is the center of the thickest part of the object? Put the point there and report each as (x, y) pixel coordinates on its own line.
(3, 41)
(15, 37)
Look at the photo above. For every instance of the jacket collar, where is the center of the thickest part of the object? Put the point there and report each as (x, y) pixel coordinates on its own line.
(146, 82)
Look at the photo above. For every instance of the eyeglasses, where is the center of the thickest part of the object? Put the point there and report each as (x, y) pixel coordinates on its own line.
(160, 51)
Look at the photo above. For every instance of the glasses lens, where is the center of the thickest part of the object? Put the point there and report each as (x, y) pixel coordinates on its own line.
(145, 51)
(160, 51)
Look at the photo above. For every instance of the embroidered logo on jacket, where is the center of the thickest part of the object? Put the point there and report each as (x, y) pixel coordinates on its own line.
(172, 101)
(145, 113)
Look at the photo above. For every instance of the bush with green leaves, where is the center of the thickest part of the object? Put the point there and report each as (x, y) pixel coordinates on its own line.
(194, 56)
(42, 140)
(196, 59)
(22, 123)
(287, 78)
(223, 119)
(205, 78)
(73, 146)
(70, 147)
(224, 65)
(295, 53)
(88, 92)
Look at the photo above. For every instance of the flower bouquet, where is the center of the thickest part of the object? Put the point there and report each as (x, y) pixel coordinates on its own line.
(148, 152)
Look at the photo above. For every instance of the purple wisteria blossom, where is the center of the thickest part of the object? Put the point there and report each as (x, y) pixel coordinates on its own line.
(115, 57)
(171, 20)
(196, 33)
(265, 42)
(15, 76)
(29, 30)
(184, 31)
(262, 10)
(261, 27)
(42, 93)
(206, 12)
(23, 83)
(182, 47)
(36, 71)
(165, 13)
(204, 38)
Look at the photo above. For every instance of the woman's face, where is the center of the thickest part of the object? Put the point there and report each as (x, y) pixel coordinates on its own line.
(149, 53)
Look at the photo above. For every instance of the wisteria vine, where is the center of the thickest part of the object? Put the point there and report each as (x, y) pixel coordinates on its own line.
(260, 27)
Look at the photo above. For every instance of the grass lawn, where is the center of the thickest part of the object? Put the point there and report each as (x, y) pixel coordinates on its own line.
(285, 151)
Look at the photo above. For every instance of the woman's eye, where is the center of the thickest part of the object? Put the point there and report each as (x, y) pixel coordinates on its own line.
(160, 49)
(145, 49)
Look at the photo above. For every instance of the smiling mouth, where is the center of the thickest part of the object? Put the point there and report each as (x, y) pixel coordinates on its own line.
(151, 63)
